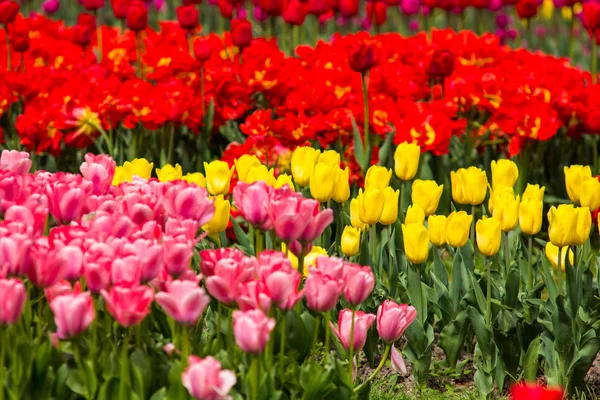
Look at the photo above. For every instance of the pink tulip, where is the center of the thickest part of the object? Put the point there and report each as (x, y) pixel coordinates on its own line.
(252, 330)
(50, 6)
(253, 295)
(393, 319)
(169, 348)
(322, 291)
(140, 208)
(150, 257)
(17, 161)
(398, 362)
(205, 380)
(291, 213)
(228, 274)
(12, 299)
(362, 323)
(73, 314)
(332, 267)
(73, 262)
(184, 301)
(209, 258)
(15, 254)
(61, 288)
(317, 222)
(188, 202)
(126, 271)
(186, 228)
(177, 255)
(97, 267)
(66, 200)
(129, 306)
(99, 170)
(48, 265)
(33, 213)
(275, 270)
(254, 201)
(360, 282)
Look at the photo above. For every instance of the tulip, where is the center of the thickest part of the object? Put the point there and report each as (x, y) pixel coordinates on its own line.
(362, 323)
(436, 226)
(507, 212)
(228, 273)
(361, 56)
(12, 300)
(137, 167)
(528, 391)
(73, 314)
(303, 163)
(415, 215)
(341, 192)
(575, 176)
(530, 216)
(137, 16)
(355, 215)
(252, 330)
(295, 12)
(551, 252)
(244, 164)
(527, 9)
(218, 177)
(210, 258)
(389, 215)
(188, 202)
(202, 53)
(282, 281)
(169, 173)
(196, 178)
(120, 8)
(8, 11)
(47, 266)
(183, 301)
(489, 236)
(359, 284)
(416, 242)
(205, 380)
(377, 177)
(325, 179)
(241, 33)
(98, 169)
(469, 186)
(350, 242)
(398, 362)
(406, 160)
(329, 157)
(253, 201)
(129, 306)
(322, 290)
(284, 180)
(458, 226)
(441, 64)
(66, 203)
(187, 16)
(370, 205)
(504, 172)
(261, 173)
(497, 193)
(253, 295)
(569, 226)
(18, 161)
(533, 192)
(220, 219)
(310, 258)
(427, 195)
(590, 193)
(393, 319)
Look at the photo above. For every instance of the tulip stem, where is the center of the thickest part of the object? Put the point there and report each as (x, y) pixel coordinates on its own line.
(315, 335)
(327, 331)
(386, 354)
(351, 345)
(559, 271)
(8, 51)
(124, 389)
(393, 284)
(80, 363)
(138, 50)
(488, 313)
(3, 344)
(363, 78)
(218, 327)
(531, 272)
(282, 345)
(506, 254)
(255, 367)
(98, 34)
(202, 92)
(594, 61)
(401, 201)
(572, 35)
(373, 244)
(473, 221)
(301, 260)
(185, 342)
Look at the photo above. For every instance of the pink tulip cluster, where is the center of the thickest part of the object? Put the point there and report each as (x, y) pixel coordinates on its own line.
(295, 219)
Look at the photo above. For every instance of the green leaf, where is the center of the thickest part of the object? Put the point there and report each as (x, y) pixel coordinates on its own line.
(76, 382)
(548, 278)
(176, 389)
(142, 372)
(360, 153)
(109, 389)
(384, 150)
(484, 336)
(512, 288)
(316, 381)
(242, 238)
(530, 363)
(439, 268)
(161, 394)
(562, 332)
(452, 338)
(456, 284)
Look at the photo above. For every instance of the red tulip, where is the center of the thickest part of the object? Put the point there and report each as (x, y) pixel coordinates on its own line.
(92, 5)
(361, 56)
(202, 50)
(205, 380)
(252, 330)
(225, 8)
(527, 8)
(19, 38)
(273, 8)
(241, 33)
(137, 16)
(73, 314)
(591, 16)
(295, 12)
(528, 391)
(8, 11)
(377, 12)
(12, 299)
(120, 8)
(129, 306)
(393, 319)
(187, 16)
(441, 64)
(362, 323)
(348, 8)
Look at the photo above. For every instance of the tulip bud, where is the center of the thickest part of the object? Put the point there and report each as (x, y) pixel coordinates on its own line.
(441, 64)
(187, 16)
(530, 216)
(204, 378)
(244, 164)
(295, 12)
(361, 56)
(569, 226)
(220, 219)
(575, 175)
(303, 163)
(389, 215)
(370, 205)
(341, 193)
(169, 173)
(283, 180)
(261, 173)
(551, 252)
(12, 299)
(406, 160)
(416, 242)
(414, 215)
(348, 8)
(362, 323)
(196, 178)
(458, 226)
(427, 195)
(202, 53)
(120, 8)
(325, 179)
(73, 313)
(489, 236)
(355, 215)
(359, 283)
(330, 157)
(8, 11)
(497, 193)
(137, 16)
(507, 212)
(350, 241)
(504, 172)
(252, 330)
(590, 193)
(393, 319)
(533, 192)
(436, 226)
(469, 186)
(218, 177)
(527, 9)
(377, 177)
(241, 33)
(50, 6)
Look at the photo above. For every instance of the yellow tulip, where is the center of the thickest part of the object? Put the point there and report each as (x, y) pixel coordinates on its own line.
(389, 215)
(414, 215)
(303, 163)
(406, 160)
(469, 186)
(244, 164)
(330, 157)
(196, 178)
(504, 172)
(354, 215)
(324, 178)
(341, 193)
(534, 192)
(370, 205)
(530, 216)
(119, 176)
(416, 242)
(489, 235)
(350, 241)
(169, 173)
(136, 167)
(495, 195)
(458, 227)
(436, 225)
(507, 211)
(309, 260)
(220, 220)
(284, 179)
(377, 177)
(261, 173)
(552, 255)
(569, 226)
(218, 177)
(427, 195)
(575, 175)
(590, 193)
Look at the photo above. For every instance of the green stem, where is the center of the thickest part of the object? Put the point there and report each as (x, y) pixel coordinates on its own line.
(138, 51)
(185, 343)
(594, 61)
(255, 367)
(366, 110)
(284, 37)
(230, 328)
(258, 245)
(506, 254)
(81, 365)
(596, 160)
(373, 244)
(531, 273)
(282, 346)
(473, 228)
(315, 31)
(171, 143)
(327, 331)
(99, 35)
(402, 201)
(315, 336)
(8, 52)
(559, 271)
(488, 313)
(218, 330)
(421, 313)
(351, 345)
(124, 389)
(3, 345)
(389, 272)
(386, 353)
(572, 35)
(202, 89)
(301, 261)
(295, 38)
(528, 33)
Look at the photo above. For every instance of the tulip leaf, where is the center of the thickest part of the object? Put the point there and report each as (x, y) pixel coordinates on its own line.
(415, 292)
(316, 381)
(484, 336)
(439, 268)
(456, 284)
(530, 363)
(242, 238)
(562, 329)
(548, 278)
(479, 296)
(512, 288)
(384, 150)
(76, 382)
(141, 371)
(452, 338)
(360, 152)
(161, 394)
(109, 389)
(176, 389)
